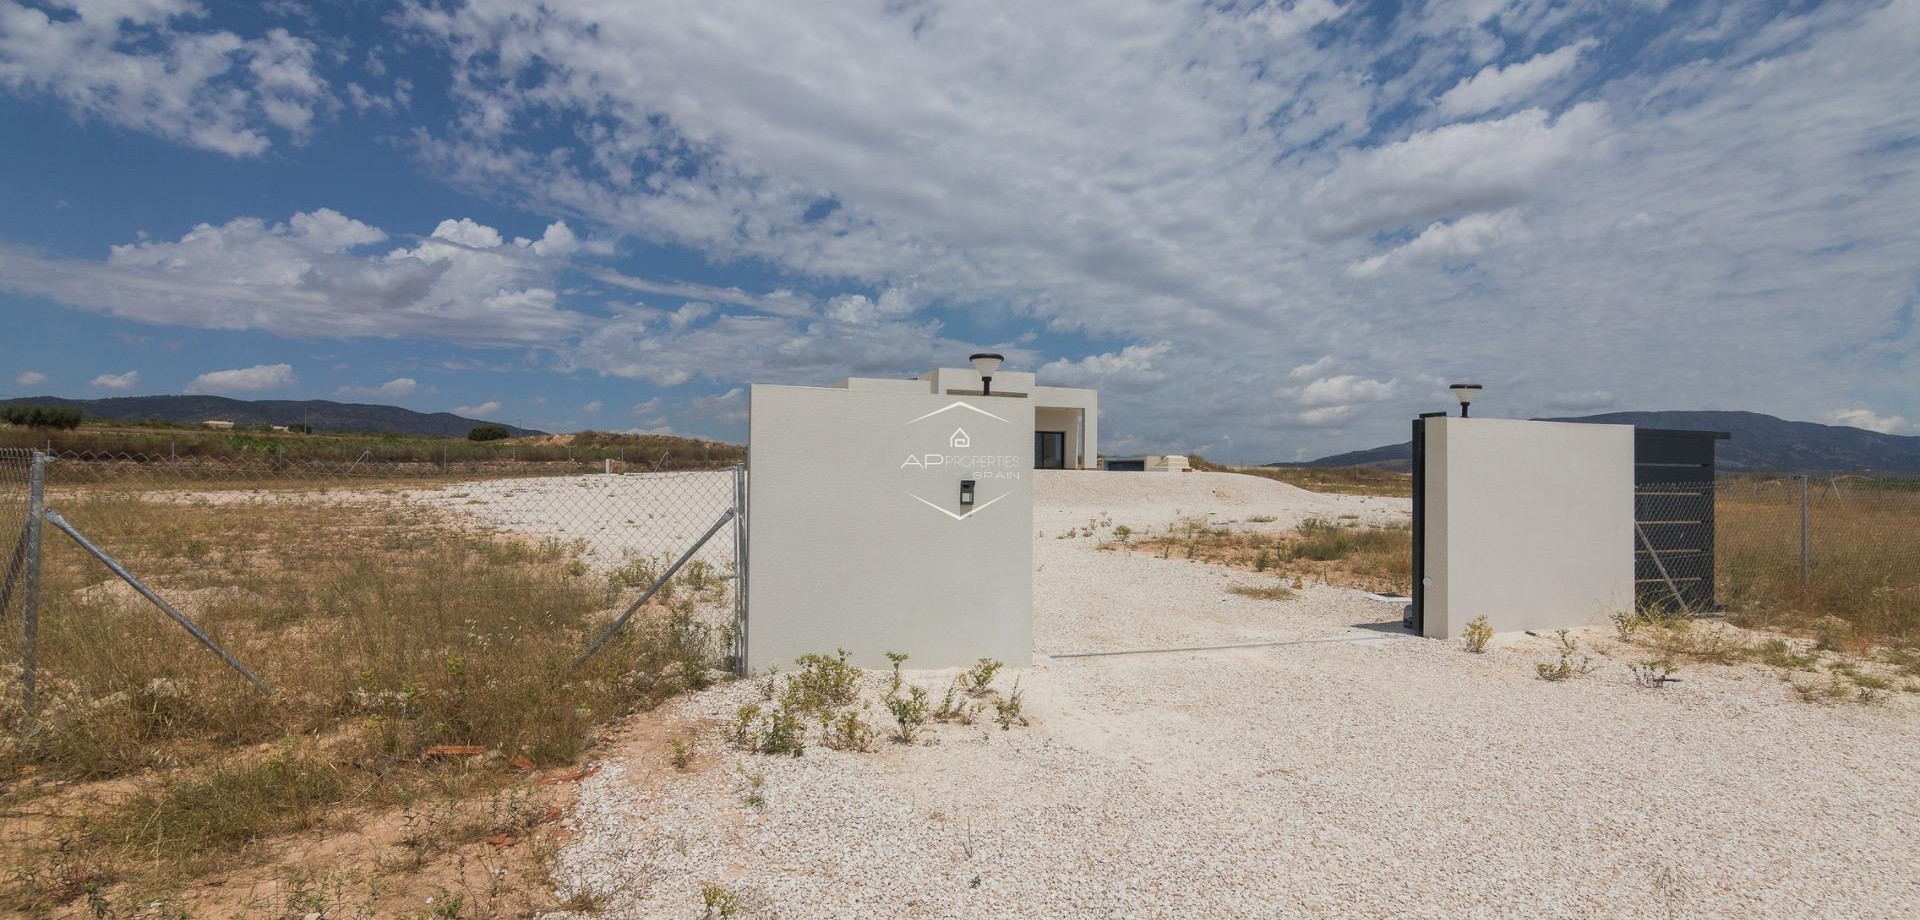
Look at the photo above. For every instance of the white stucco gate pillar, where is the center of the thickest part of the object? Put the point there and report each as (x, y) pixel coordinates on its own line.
(1529, 524)
(889, 522)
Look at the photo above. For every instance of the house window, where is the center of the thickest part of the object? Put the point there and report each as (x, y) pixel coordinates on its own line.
(1049, 450)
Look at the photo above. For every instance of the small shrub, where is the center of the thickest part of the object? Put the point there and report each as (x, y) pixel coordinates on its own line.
(1654, 674)
(488, 432)
(782, 734)
(1010, 711)
(1780, 654)
(1817, 690)
(897, 659)
(755, 795)
(956, 707)
(1571, 663)
(682, 756)
(1834, 634)
(1262, 519)
(976, 679)
(909, 713)
(1478, 633)
(741, 733)
(1262, 561)
(846, 731)
(822, 683)
(720, 902)
(1121, 532)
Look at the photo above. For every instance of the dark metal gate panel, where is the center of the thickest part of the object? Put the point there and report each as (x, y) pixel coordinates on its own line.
(1414, 618)
(1673, 519)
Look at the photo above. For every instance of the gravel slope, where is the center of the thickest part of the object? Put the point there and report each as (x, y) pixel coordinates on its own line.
(1382, 777)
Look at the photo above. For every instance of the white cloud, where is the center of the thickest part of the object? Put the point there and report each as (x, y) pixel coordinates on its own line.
(650, 407)
(304, 278)
(142, 66)
(124, 381)
(729, 408)
(30, 379)
(1872, 421)
(1496, 87)
(396, 388)
(1132, 366)
(1457, 169)
(1345, 389)
(482, 410)
(1327, 416)
(593, 406)
(1443, 243)
(244, 379)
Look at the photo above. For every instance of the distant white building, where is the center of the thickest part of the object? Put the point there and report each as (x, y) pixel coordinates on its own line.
(1147, 463)
(1066, 420)
(217, 424)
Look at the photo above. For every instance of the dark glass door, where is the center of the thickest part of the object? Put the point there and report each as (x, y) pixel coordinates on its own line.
(1049, 450)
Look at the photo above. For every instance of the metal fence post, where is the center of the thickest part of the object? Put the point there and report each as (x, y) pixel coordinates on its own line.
(30, 611)
(740, 570)
(1806, 537)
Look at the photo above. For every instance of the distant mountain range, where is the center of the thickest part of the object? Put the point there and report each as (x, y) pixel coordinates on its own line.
(1758, 443)
(322, 414)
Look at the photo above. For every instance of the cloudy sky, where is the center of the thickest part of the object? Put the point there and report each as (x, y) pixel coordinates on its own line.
(1264, 231)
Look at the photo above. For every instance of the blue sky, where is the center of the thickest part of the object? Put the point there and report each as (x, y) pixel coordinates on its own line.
(1264, 231)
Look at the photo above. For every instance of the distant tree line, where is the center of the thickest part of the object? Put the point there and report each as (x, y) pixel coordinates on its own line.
(65, 418)
(487, 432)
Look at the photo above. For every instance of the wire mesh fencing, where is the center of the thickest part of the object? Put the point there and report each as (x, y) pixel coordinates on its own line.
(301, 565)
(18, 579)
(1800, 549)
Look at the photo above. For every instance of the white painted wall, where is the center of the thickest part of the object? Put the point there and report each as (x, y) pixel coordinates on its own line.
(846, 554)
(1088, 402)
(1529, 523)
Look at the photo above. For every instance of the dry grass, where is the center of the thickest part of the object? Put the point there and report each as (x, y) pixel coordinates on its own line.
(1865, 540)
(1264, 592)
(1346, 480)
(1370, 558)
(386, 631)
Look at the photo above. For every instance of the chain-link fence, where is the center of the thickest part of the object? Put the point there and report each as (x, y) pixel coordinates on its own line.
(17, 539)
(353, 559)
(1806, 547)
(1786, 550)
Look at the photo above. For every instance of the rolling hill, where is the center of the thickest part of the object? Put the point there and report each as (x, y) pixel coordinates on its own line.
(1759, 443)
(322, 414)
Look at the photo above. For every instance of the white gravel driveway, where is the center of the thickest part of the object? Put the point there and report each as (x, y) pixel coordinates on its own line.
(1370, 776)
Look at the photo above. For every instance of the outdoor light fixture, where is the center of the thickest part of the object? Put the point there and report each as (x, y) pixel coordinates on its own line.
(1465, 392)
(986, 363)
(966, 491)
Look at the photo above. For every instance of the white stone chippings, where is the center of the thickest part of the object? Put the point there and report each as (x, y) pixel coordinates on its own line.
(1392, 777)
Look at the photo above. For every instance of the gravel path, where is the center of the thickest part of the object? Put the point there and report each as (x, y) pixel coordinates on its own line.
(1384, 776)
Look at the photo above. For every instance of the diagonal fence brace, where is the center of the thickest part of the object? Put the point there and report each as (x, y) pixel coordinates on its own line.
(53, 517)
(1662, 566)
(671, 571)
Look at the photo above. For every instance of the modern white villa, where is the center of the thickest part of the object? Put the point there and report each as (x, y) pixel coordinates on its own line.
(1066, 420)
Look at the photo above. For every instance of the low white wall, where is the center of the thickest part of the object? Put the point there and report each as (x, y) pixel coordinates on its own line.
(1529, 523)
(857, 538)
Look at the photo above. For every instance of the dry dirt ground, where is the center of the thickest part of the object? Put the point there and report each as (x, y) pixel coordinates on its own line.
(1342, 770)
